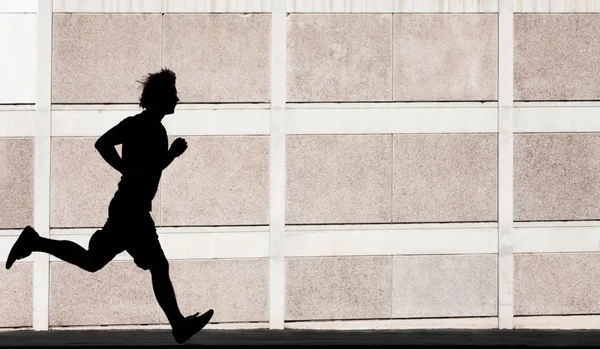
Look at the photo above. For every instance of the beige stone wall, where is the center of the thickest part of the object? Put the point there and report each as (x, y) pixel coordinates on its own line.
(331, 179)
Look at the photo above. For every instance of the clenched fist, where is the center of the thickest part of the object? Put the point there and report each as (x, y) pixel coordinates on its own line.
(178, 147)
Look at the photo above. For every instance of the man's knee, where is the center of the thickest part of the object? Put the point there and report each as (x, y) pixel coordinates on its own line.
(95, 265)
(160, 265)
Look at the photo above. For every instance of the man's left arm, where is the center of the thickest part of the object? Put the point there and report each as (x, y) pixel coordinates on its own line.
(168, 159)
(177, 148)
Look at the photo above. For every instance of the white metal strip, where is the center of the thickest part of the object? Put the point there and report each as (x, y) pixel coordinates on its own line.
(161, 6)
(391, 120)
(339, 240)
(277, 169)
(505, 164)
(17, 61)
(557, 6)
(10, 232)
(556, 224)
(41, 210)
(136, 108)
(409, 226)
(186, 122)
(557, 239)
(564, 322)
(243, 6)
(396, 324)
(17, 123)
(169, 230)
(394, 105)
(17, 107)
(18, 6)
(557, 118)
(326, 243)
(195, 246)
(387, 6)
(209, 326)
(543, 118)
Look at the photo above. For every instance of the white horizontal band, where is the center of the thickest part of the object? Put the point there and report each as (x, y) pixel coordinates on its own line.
(356, 242)
(353, 240)
(196, 246)
(162, 6)
(390, 6)
(559, 117)
(18, 6)
(315, 118)
(169, 230)
(397, 324)
(17, 123)
(556, 239)
(184, 122)
(564, 322)
(210, 326)
(557, 6)
(391, 120)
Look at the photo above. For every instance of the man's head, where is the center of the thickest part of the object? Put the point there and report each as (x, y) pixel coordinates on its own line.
(159, 94)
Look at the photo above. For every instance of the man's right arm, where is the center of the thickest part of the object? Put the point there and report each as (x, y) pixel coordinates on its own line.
(107, 142)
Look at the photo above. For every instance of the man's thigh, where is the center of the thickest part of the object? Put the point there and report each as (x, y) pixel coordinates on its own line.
(141, 241)
(147, 252)
(105, 244)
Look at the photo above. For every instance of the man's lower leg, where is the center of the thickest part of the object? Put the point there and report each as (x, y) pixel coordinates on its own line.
(165, 295)
(67, 251)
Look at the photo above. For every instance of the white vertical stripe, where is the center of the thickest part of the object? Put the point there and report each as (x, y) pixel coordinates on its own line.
(277, 165)
(505, 164)
(41, 211)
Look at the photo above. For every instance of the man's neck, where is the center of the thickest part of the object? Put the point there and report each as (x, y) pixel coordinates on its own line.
(153, 115)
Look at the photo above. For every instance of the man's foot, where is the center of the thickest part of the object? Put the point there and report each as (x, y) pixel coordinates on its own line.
(22, 247)
(191, 325)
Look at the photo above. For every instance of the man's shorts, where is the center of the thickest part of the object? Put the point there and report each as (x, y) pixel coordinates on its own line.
(129, 229)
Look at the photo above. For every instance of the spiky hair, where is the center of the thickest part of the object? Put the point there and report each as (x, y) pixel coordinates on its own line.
(155, 84)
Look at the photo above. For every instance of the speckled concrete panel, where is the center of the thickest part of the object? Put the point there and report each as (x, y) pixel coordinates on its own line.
(219, 57)
(443, 57)
(557, 56)
(98, 58)
(237, 290)
(219, 180)
(16, 182)
(329, 288)
(338, 179)
(119, 294)
(445, 178)
(339, 57)
(82, 184)
(16, 293)
(445, 286)
(557, 176)
(557, 283)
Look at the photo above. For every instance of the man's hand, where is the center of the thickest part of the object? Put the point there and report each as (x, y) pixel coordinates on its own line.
(178, 147)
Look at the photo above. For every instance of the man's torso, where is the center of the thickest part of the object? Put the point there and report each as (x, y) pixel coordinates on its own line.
(144, 150)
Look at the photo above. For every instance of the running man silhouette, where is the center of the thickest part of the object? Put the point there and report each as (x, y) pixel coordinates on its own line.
(129, 227)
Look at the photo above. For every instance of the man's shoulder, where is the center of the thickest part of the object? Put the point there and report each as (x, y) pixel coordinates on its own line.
(131, 120)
